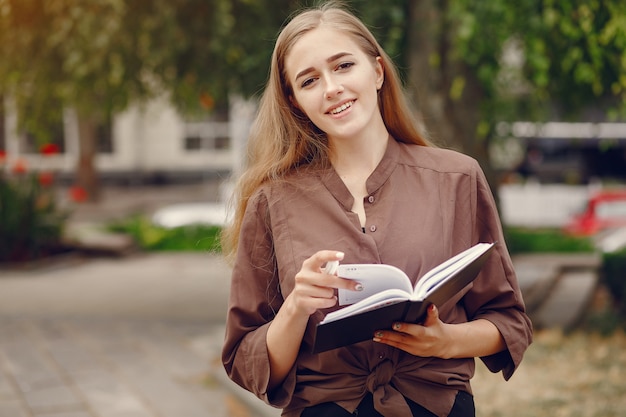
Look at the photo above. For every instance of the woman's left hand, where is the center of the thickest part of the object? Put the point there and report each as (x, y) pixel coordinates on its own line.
(430, 339)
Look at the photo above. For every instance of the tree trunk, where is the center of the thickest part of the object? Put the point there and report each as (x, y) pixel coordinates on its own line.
(424, 77)
(446, 91)
(86, 174)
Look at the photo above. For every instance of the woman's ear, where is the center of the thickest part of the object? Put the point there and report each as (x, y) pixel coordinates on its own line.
(380, 72)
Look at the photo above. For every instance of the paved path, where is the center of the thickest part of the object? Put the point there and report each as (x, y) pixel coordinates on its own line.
(558, 289)
(133, 337)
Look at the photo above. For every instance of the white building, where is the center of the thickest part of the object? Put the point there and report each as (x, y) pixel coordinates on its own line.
(143, 143)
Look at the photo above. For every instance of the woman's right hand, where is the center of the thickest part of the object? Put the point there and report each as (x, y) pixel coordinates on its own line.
(314, 288)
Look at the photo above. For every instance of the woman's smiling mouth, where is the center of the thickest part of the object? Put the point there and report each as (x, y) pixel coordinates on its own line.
(341, 108)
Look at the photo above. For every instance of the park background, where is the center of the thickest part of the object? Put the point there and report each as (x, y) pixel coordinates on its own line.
(104, 99)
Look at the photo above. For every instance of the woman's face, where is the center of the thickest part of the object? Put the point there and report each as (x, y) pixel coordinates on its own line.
(334, 82)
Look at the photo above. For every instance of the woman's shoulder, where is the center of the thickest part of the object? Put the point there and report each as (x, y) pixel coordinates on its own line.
(302, 178)
(437, 159)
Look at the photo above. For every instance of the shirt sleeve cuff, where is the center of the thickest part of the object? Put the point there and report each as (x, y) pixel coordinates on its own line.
(517, 337)
(256, 359)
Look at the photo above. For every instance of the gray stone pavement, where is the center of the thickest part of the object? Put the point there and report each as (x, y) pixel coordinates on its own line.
(138, 336)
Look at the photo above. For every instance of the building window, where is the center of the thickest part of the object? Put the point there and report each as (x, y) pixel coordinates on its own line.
(206, 136)
(193, 143)
(221, 142)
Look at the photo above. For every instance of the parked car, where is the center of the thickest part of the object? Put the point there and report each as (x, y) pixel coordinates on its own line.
(605, 210)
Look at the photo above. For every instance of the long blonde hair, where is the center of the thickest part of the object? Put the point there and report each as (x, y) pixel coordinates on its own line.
(283, 138)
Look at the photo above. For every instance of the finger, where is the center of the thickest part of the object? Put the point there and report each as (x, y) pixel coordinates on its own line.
(432, 315)
(331, 267)
(321, 258)
(390, 338)
(348, 284)
(407, 328)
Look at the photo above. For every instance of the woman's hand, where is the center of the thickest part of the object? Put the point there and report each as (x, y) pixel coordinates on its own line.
(429, 339)
(435, 338)
(314, 288)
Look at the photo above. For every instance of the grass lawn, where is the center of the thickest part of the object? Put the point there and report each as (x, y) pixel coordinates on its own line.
(574, 375)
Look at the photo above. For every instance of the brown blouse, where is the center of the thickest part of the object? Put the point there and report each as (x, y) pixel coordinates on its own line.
(424, 205)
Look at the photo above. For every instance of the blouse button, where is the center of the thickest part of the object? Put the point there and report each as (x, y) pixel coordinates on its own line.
(381, 355)
(371, 199)
(373, 228)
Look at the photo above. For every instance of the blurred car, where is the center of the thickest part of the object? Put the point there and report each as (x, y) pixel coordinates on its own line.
(605, 210)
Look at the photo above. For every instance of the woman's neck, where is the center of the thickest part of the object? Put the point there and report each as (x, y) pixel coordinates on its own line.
(361, 152)
(354, 160)
(358, 156)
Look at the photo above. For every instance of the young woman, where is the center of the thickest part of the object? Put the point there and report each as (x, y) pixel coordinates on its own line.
(339, 170)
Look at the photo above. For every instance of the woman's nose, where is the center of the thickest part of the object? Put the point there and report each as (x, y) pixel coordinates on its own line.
(333, 87)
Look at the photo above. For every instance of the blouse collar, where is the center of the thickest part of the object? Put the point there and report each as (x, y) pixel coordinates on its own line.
(379, 176)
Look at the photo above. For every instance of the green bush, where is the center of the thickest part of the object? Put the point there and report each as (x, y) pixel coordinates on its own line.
(30, 224)
(614, 277)
(154, 238)
(521, 240)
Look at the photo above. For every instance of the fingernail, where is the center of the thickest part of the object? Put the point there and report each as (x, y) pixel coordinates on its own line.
(397, 326)
(339, 255)
(358, 287)
(378, 335)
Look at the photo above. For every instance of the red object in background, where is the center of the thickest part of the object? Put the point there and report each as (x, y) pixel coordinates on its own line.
(207, 101)
(46, 179)
(78, 194)
(19, 167)
(605, 210)
(3, 156)
(49, 149)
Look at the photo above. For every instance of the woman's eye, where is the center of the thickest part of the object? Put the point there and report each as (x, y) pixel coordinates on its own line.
(345, 65)
(307, 82)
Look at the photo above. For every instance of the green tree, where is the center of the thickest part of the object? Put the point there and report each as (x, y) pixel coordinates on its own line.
(98, 56)
(568, 56)
(69, 54)
(469, 64)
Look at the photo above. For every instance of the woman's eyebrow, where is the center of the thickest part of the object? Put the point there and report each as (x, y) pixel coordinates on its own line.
(329, 60)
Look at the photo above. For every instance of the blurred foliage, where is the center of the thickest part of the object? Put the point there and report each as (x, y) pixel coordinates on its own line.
(481, 61)
(31, 224)
(523, 240)
(155, 238)
(614, 276)
(102, 54)
(476, 63)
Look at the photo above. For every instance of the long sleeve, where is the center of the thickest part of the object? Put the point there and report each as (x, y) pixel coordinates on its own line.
(254, 300)
(498, 285)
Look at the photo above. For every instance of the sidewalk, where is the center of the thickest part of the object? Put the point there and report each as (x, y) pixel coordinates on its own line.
(136, 336)
(133, 337)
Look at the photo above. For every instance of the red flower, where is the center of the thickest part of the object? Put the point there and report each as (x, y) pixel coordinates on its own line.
(49, 149)
(46, 178)
(20, 167)
(207, 101)
(78, 194)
